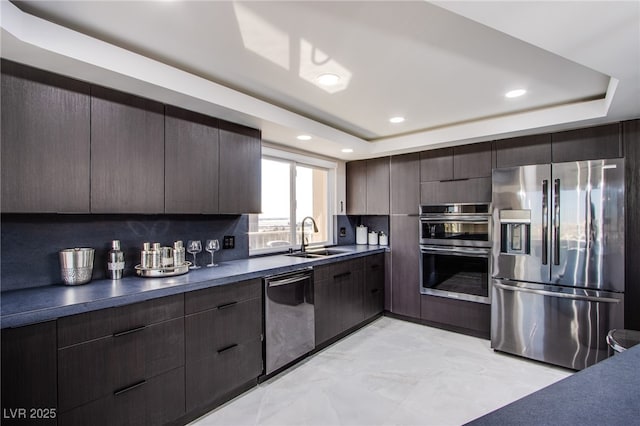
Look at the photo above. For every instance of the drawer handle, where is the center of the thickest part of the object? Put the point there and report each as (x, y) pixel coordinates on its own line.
(227, 305)
(375, 290)
(128, 388)
(344, 274)
(376, 266)
(228, 348)
(133, 330)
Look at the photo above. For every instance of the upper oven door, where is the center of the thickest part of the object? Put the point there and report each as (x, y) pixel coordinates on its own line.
(472, 230)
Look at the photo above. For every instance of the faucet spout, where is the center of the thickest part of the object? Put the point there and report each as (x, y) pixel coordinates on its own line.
(315, 229)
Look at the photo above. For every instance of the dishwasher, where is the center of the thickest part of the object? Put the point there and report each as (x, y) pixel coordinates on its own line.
(289, 318)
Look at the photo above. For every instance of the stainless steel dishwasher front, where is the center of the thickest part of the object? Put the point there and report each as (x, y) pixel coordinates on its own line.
(289, 318)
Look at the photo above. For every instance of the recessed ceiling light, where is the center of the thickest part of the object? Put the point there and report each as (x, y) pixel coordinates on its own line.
(347, 150)
(328, 79)
(304, 137)
(515, 93)
(396, 120)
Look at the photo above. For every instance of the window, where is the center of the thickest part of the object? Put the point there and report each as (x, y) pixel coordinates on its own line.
(293, 187)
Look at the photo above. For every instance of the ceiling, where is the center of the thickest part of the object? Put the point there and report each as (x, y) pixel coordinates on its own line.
(445, 66)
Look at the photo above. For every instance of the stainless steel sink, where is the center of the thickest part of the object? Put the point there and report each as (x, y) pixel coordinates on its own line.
(311, 254)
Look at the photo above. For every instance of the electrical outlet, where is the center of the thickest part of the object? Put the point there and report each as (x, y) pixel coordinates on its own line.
(229, 242)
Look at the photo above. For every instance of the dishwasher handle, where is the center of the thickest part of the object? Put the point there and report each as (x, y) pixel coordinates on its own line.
(289, 280)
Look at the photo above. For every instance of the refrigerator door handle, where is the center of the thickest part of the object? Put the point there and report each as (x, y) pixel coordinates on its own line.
(556, 294)
(556, 222)
(545, 222)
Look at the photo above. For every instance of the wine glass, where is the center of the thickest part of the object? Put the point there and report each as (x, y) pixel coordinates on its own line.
(194, 247)
(212, 247)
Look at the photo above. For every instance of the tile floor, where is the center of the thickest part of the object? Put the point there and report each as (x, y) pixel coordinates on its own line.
(390, 372)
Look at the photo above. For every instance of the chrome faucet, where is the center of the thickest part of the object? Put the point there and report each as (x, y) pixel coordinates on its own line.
(315, 229)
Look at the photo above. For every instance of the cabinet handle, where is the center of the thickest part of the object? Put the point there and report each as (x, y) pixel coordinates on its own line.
(344, 274)
(128, 388)
(227, 348)
(227, 305)
(454, 180)
(376, 266)
(133, 330)
(375, 290)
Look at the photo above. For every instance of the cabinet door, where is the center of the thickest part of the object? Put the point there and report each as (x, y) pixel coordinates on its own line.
(327, 308)
(127, 153)
(436, 165)
(592, 143)
(631, 134)
(357, 187)
(352, 298)
(377, 185)
(45, 142)
(373, 285)
(240, 190)
(191, 162)
(477, 190)
(472, 161)
(405, 261)
(29, 379)
(522, 151)
(405, 184)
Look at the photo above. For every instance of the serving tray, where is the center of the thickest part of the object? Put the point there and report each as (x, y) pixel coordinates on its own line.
(162, 272)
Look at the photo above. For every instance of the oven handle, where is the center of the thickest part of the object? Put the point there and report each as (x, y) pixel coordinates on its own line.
(456, 251)
(449, 219)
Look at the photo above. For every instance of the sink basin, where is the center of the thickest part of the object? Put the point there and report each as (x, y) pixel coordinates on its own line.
(311, 254)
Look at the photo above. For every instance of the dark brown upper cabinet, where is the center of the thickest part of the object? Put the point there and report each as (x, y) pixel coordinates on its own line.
(472, 161)
(405, 183)
(45, 142)
(591, 143)
(127, 153)
(436, 165)
(368, 186)
(191, 162)
(240, 189)
(524, 150)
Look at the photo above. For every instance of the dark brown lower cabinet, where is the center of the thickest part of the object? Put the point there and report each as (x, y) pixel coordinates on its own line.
(405, 266)
(223, 331)
(338, 298)
(457, 315)
(374, 274)
(29, 381)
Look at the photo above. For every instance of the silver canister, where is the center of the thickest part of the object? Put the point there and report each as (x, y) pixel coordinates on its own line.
(156, 256)
(178, 254)
(76, 265)
(145, 256)
(166, 257)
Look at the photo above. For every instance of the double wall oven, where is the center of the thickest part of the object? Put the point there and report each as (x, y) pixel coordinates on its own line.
(455, 251)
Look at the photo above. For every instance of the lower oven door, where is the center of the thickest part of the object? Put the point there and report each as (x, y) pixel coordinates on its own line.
(456, 272)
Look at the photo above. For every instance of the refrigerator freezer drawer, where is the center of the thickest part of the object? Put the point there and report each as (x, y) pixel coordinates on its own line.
(559, 325)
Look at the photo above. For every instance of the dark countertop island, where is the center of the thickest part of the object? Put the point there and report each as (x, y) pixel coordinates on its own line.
(607, 393)
(33, 305)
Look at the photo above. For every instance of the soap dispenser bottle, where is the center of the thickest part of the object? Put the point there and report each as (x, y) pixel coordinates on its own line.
(115, 264)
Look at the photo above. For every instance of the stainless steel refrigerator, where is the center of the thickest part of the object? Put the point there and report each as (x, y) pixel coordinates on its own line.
(558, 260)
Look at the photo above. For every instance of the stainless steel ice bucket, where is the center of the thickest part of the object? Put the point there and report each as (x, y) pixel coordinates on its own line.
(76, 265)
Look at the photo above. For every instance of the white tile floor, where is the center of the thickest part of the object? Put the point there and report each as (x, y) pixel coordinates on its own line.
(390, 373)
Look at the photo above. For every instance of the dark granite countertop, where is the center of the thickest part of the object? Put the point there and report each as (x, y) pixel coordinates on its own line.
(607, 393)
(29, 306)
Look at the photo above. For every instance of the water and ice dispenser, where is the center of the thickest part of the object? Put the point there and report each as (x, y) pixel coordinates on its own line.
(515, 231)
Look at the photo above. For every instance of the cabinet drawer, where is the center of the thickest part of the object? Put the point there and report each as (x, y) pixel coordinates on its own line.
(209, 332)
(211, 378)
(108, 322)
(156, 401)
(215, 297)
(338, 269)
(91, 370)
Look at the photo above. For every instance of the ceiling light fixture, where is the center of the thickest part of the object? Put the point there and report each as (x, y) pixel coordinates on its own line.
(515, 93)
(328, 79)
(396, 120)
(304, 137)
(347, 150)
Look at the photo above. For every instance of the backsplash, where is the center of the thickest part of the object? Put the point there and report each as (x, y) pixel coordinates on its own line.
(349, 223)
(31, 242)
